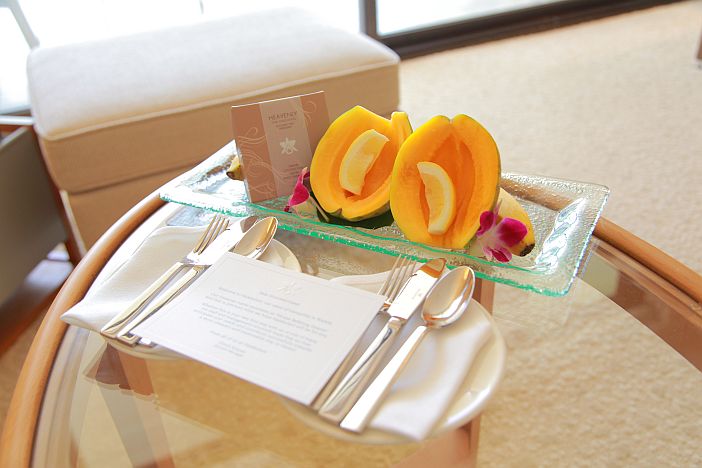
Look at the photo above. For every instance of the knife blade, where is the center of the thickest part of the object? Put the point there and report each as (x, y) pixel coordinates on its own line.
(407, 302)
(227, 237)
(251, 243)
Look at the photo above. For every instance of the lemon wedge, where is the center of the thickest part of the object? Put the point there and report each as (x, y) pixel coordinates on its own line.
(235, 171)
(440, 195)
(359, 158)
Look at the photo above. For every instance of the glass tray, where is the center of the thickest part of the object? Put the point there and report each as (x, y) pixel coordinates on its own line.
(563, 212)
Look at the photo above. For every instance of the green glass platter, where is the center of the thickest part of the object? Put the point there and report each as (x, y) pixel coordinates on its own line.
(563, 212)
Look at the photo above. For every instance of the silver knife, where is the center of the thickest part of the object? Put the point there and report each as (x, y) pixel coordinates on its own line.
(228, 237)
(251, 244)
(360, 415)
(407, 302)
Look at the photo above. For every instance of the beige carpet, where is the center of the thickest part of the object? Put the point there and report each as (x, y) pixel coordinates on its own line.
(10, 366)
(617, 101)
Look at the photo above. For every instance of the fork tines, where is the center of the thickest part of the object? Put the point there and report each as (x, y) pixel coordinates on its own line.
(400, 272)
(217, 225)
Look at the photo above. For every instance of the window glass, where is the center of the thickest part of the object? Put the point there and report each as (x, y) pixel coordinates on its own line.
(397, 16)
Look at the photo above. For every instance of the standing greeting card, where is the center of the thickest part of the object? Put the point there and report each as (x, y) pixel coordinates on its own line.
(276, 140)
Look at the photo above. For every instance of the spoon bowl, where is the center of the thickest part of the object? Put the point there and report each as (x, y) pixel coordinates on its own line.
(449, 299)
(252, 245)
(257, 239)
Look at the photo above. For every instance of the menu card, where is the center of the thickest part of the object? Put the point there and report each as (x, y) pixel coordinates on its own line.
(280, 329)
(276, 140)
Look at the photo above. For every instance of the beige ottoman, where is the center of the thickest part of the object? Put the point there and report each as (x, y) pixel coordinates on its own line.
(117, 118)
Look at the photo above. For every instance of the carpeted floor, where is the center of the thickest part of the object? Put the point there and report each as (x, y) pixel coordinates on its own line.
(11, 364)
(616, 101)
(26, 308)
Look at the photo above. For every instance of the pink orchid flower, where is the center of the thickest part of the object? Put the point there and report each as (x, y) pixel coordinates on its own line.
(300, 193)
(495, 238)
(301, 202)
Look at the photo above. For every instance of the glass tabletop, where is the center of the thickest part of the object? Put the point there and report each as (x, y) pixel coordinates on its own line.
(586, 382)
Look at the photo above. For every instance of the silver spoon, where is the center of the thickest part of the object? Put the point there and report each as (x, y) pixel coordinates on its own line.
(223, 242)
(252, 245)
(445, 304)
(257, 239)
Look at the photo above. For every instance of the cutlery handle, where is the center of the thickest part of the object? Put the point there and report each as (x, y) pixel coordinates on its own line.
(333, 382)
(349, 390)
(112, 328)
(125, 335)
(357, 419)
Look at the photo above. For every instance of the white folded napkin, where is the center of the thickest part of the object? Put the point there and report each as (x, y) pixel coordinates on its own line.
(156, 254)
(432, 378)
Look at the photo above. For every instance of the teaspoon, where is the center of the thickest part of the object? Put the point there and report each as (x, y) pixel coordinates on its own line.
(252, 245)
(445, 304)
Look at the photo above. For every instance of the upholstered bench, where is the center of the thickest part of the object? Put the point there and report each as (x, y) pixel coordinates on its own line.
(117, 118)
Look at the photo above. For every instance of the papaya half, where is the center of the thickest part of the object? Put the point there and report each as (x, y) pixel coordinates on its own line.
(353, 162)
(443, 151)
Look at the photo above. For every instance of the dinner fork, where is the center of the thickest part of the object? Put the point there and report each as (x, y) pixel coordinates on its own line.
(400, 272)
(217, 225)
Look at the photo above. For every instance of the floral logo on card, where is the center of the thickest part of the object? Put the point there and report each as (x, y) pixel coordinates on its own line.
(288, 146)
(289, 289)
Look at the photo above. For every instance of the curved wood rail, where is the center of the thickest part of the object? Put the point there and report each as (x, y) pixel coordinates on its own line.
(17, 438)
(679, 275)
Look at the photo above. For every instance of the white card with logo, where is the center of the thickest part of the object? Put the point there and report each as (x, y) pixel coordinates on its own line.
(280, 329)
(276, 140)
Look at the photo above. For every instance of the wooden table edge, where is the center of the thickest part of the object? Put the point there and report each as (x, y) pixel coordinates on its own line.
(16, 442)
(676, 273)
(17, 438)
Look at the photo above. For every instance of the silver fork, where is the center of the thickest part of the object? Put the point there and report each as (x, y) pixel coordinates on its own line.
(217, 225)
(400, 272)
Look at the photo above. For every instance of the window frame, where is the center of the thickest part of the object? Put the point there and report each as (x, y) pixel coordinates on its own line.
(427, 39)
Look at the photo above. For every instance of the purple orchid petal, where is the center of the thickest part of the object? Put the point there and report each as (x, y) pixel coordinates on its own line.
(300, 192)
(495, 238)
(510, 231)
(299, 195)
(499, 254)
(306, 180)
(502, 254)
(487, 221)
(487, 253)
